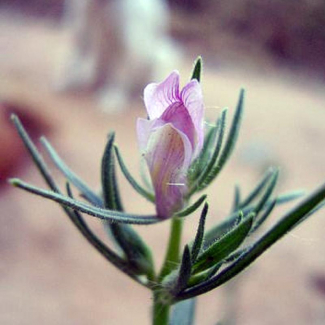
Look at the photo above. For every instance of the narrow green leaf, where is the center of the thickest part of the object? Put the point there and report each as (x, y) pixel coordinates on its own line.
(197, 69)
(223, 246)
(114, 216)
(109, 184)
(34, 153)
(190, 209)
(142, 191)
(230, 143)
(137, 252)
(287, 197)
(223, 227)
(282, 227)
(88, 194)
(257, 190)
(259, 221)
(201, 180)
(268, 192)
(184, 272)
(205, 155)
(104, 250)
(145, 175)
(198, 241)
(183, 313)
(236, 203)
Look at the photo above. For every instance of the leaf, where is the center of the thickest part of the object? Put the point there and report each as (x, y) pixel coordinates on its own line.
(205, 155)
(71, 176)
(236, 204)
(142, 191)
(201, 180)
(259, 221)
(257, 190)
(197, 69)
(36, 156)
(183, 313)
(223, 227)
(137, 252)
(104, 250)
(114, 216)
(190, 209)
(184, 272)
(230, 143)
(223, 246)
(109, 184)
(198, 241)
(288, 222)
(268, 192)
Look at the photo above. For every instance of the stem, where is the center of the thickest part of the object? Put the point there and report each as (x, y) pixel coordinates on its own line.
(173, 250)
(160, 310)
(161, 303)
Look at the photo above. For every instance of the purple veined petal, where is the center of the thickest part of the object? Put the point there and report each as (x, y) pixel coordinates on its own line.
(191, 96)
(168, 156)
(158, 96)
(178, 115)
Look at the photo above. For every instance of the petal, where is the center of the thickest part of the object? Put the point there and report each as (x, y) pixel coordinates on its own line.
(144, 129)
(192, 98)
(178, 115)
(168, 157)
(158, 96)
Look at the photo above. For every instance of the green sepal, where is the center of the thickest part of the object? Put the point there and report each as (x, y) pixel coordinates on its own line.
(190, 209)
(224, 245)
(136, 186)
(288, 222)
(197, 70)
(198, 241)
(114, 216)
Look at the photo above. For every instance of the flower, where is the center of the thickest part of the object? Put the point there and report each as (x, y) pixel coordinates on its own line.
(171, 138)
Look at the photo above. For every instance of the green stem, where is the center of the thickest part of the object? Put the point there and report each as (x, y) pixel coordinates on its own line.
(160, 310)
(161, 303)
(173, 250)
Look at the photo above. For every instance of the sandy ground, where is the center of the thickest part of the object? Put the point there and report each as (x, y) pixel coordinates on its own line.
(48, 273)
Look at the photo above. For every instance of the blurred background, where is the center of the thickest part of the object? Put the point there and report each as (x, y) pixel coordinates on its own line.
(74, 70)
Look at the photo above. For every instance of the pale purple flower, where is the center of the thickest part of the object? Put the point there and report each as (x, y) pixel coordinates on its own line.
(171, 138)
